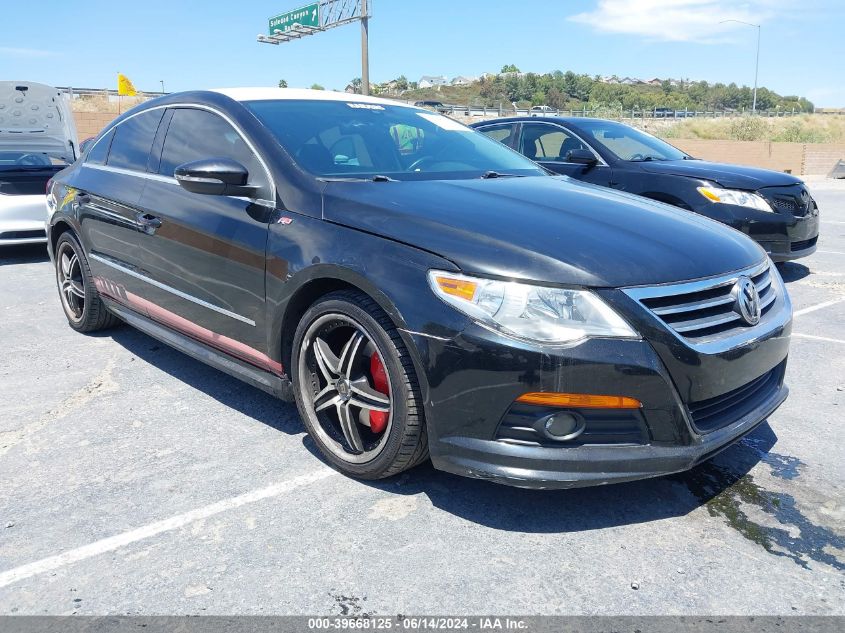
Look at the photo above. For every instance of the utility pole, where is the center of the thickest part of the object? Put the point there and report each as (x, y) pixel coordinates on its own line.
(161, 81)
(756, 63)
(365, 50)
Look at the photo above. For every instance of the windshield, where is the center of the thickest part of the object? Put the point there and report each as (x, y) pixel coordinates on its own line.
(339, 139)
(627, 143)
(28, 160)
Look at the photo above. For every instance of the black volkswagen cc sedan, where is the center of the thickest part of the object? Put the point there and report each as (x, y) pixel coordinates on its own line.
(773, 208)
(420, 289)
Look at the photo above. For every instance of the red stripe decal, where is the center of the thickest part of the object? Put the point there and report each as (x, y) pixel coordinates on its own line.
(189, 328)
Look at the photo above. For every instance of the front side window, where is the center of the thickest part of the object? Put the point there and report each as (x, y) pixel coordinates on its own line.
(130, 147)
(627, 143)
(541, 141)
(361, 140)
(199, 134)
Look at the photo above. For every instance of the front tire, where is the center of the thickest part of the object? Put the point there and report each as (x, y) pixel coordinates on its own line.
(81, 303)
(356, 389)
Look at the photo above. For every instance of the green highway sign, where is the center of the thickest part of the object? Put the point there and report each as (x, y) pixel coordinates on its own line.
(306, 16)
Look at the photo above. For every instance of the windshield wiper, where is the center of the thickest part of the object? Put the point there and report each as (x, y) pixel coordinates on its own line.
(496, 174)
(376, 178)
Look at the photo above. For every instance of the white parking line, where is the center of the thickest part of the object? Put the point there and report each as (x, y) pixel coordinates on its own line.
(818, 338)
(818, 306)
(173, 523)
(832, 252)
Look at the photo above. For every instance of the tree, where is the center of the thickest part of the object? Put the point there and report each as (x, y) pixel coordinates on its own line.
(283, 83)
(317, 87)
(509, 68)
(401, 83)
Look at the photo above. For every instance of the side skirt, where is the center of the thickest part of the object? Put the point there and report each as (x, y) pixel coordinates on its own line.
(279, 386)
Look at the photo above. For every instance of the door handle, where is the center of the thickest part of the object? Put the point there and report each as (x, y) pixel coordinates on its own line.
(148, 222)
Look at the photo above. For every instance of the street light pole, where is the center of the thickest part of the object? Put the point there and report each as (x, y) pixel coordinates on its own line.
(162, 85)
(365, 52)
(757, 62)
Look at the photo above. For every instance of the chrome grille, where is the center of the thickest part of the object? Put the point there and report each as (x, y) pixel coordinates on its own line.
(704, 310)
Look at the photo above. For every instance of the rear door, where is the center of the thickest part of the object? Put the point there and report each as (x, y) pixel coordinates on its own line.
(549, 144)
(204, 254)
(108, 188)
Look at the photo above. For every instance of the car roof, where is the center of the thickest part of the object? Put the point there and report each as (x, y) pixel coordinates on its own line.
(272, 94)
(573, 120)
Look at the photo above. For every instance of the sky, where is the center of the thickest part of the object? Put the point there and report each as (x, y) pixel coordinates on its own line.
(191, 45)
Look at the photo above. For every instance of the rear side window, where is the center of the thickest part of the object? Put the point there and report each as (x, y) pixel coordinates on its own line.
(100, 151)
(502, 133)
(199, 134)
(130, 147)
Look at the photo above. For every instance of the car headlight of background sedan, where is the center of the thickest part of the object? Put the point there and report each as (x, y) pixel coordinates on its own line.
(735, 196)
(525, 311)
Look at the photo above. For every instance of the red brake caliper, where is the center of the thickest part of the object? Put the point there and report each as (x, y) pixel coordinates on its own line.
(378, 419)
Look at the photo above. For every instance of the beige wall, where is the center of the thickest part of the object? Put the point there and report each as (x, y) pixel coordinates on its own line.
(778, 156)
(89, 124)
(802, 159)
(797, 158)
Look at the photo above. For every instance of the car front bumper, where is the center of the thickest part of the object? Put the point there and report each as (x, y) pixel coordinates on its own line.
(784, 236)
(474, 377)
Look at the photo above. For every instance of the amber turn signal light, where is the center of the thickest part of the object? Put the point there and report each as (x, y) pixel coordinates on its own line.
(579, 400)
(457, 287)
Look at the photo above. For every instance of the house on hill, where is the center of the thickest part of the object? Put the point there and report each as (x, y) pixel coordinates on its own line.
(460, 80)
(429, 81)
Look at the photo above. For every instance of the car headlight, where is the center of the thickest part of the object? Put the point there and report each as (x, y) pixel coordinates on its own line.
(534, 313)
(735, 196)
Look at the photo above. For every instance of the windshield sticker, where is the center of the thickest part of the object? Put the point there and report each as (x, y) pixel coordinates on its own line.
(365, 106)
(443, 122)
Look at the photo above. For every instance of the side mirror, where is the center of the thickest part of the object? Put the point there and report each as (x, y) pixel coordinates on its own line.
(581, 156)
(215, 177)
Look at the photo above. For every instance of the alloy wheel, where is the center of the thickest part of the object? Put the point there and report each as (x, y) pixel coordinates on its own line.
(347, 389)
(71, 282)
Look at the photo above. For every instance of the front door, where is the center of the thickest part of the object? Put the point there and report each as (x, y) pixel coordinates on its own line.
(205, 254)
(549, 144)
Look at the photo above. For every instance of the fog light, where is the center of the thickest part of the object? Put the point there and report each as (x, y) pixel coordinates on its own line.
(562, 426)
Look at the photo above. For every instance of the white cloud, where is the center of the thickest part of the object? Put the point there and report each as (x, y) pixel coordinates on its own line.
(676, 20)
(8, 51)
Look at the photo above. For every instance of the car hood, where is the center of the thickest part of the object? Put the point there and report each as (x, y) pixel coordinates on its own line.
(547, 229)
(36, 118)
(730, 176)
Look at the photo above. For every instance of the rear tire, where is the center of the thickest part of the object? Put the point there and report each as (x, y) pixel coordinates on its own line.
(347, 354)
(81, 303)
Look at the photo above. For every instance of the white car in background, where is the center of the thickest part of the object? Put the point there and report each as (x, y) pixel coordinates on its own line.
(37, 140)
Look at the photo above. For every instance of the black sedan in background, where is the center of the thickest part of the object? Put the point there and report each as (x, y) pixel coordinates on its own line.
(420, 289)
(773, 208)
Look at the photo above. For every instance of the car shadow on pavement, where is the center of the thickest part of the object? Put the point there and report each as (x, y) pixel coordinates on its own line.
(579, 509)
(23, 254)
(792, 271)
(758, 506)
(229, 391)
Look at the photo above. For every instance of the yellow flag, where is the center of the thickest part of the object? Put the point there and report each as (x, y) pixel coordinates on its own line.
(125, 87)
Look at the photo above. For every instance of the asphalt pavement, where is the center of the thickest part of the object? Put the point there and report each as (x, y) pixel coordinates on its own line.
(135, 480)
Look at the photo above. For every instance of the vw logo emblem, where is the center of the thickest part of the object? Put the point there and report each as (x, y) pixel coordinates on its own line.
(747, 300)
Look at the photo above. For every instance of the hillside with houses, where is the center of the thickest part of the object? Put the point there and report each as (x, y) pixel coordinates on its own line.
(568, 90)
